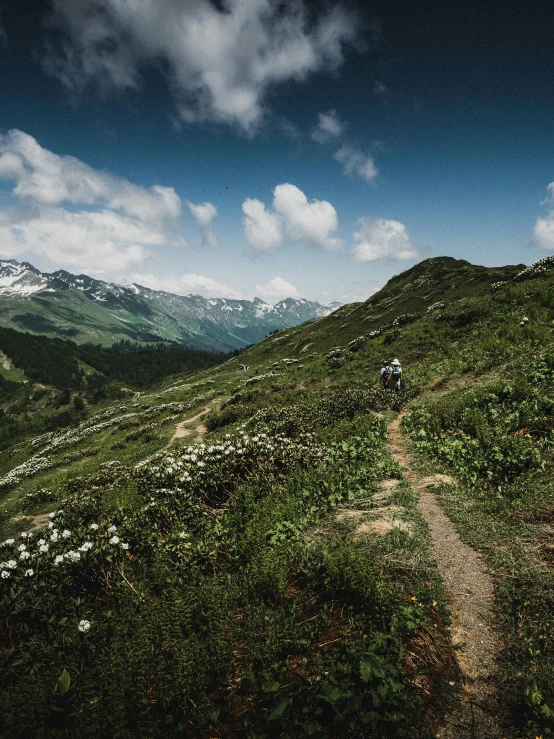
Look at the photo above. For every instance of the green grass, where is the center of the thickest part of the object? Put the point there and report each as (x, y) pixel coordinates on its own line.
(270, 617)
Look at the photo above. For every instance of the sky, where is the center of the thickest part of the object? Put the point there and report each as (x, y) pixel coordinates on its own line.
(274, 148)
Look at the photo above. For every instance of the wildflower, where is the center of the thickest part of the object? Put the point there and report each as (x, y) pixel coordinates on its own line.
(8, 541)
(114, 540)
(55, 535)
(86, 546)
(51, 515)
(43, 548)
(58, 559)
(29, 573)
(50, 525)
(22, 547)
(94, 526)
(124, 545)
(73, 556)
(66, 533)
(112, 528)
(83, 626)
(24, 555)
(23, 535)
(5, 574)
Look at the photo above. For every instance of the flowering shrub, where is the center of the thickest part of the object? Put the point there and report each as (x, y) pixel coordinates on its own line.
(535, 270)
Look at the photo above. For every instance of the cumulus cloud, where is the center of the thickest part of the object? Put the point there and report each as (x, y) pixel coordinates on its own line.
(329, 126)
(48, 178)
(543, 232)
(382, 239)
(356, 163)
(291, 218)
(78, 216)
(204, 214)
(277, 289)
(221, 58)
(187, 284)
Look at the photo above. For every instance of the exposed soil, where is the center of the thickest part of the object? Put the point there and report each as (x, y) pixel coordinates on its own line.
(477, 713)
(38, 521)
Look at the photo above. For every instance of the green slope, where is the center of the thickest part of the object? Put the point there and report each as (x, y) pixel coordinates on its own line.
(245, 606)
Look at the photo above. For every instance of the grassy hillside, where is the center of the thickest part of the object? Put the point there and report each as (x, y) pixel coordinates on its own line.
(235, 575)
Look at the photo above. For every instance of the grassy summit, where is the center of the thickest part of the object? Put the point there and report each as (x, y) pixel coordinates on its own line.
(230, 554)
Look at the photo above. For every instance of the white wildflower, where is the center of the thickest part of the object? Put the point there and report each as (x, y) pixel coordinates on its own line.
(51, 515)
(58, 559)
(11, 564)
(72, 556)
(124, 545)
(66, 533)
(22, 547)
(93, 526)
(5, 574)
(29, 573)
(114, 540)
(8, 541)
(43, 548)
(24, 555)
(112, 528)
(83, 626)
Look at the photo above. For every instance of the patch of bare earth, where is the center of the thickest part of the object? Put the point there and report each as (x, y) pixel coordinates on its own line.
(37, 522)
(477, 713)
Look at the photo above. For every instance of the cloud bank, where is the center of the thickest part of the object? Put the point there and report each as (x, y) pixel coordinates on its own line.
(382, 239)
(292, 218)
(78, 216)
(221, 58)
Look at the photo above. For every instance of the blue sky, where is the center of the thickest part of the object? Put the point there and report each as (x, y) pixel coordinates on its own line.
(248, 147)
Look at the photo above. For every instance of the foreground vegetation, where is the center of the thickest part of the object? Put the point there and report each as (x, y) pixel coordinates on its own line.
(236, 583)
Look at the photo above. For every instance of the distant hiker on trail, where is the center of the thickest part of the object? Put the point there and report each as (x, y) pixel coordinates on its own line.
(385, 373)
(257, 370)
(395, 378)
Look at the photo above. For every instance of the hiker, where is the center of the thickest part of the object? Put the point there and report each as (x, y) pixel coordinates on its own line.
(395, 378)
(257, 370)
(385, 373)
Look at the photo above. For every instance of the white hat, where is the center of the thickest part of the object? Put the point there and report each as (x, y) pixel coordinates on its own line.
(395, 362)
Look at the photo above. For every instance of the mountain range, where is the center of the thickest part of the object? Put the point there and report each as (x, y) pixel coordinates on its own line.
(84, 309)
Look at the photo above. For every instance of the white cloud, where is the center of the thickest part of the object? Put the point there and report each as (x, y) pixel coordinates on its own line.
(77, 216)
(187, 284)
(357, 163)
(98, 242)
(48, 178)
(277, 289)
(379, 88)
(312, 222)
(382, 239)
(543, 232)
(204, 214)
(292, 218)
(262, 228)
(329, 126)
(221, 59)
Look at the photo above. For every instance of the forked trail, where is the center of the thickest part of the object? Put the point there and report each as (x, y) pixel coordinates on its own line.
(470, 592)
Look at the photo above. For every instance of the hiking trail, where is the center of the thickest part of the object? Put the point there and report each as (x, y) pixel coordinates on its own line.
(182, 429)
(476, 714)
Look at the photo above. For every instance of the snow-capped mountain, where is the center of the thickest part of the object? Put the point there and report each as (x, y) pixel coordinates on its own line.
(84, 309)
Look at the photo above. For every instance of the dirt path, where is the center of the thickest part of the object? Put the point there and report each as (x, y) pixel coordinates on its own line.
(182, 428)
(470, 591)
